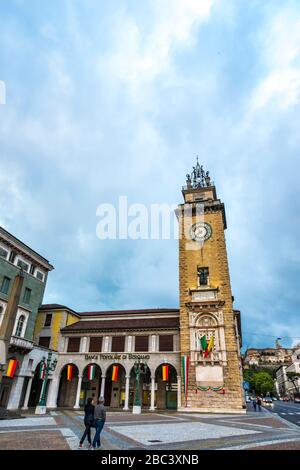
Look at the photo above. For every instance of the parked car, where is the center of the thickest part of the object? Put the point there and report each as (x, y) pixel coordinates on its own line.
(297, 400)
(274, 399)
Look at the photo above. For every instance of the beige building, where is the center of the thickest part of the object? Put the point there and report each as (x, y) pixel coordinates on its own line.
(284, 387)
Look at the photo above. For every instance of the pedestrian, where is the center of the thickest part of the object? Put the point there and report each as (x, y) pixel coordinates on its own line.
(259, 403)
(88, 422)
(254, 404)
(100, 417)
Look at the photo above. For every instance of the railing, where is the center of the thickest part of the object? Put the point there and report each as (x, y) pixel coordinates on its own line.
(21, 343)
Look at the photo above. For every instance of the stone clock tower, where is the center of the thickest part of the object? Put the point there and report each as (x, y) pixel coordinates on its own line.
(210, 332)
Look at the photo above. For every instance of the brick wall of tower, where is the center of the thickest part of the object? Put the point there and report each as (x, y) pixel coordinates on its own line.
(213, 254)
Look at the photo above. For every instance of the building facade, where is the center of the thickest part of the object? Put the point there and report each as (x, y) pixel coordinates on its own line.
(23, 277)
(106, 342)
(284, 386)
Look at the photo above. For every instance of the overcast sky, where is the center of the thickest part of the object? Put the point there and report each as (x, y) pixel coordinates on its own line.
(117, 98)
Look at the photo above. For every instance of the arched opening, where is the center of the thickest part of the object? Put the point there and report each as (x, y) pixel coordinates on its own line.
(114, 393)
(68, 386)
(145, 386)
(36, 388)
(166, 387)
(91, 383)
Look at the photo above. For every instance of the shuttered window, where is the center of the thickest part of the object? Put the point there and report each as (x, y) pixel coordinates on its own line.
(73, 345)
(95, 344)
(166, 342)
(118, 344)
(141, 344)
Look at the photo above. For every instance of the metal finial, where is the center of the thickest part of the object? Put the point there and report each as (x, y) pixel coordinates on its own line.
(198, 177)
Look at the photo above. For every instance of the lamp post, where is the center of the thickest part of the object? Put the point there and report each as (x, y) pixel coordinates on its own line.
(46, 367)
(138, 369)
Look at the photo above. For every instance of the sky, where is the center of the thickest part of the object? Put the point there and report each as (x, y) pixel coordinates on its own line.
(115, 98)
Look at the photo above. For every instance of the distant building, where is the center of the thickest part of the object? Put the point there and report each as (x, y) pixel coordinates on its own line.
(23, 277)
(268, 357)
(284, 386)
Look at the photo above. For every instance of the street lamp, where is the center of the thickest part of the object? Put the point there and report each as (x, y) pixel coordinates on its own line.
(46, 367)
(139, 368)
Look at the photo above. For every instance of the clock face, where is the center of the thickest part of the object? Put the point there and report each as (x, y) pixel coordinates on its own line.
(201, 232)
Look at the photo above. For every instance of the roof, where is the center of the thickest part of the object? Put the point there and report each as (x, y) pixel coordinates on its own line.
(9, 236)
(56, 307)
(126, 324)
(129, 312)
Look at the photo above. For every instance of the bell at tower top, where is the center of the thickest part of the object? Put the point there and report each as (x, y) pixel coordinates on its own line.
(199, 186)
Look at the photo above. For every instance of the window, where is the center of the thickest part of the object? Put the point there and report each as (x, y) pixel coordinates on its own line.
(118, 344)
(20, 325)
(95, 344)
(27, 295)
(44, 341)
(141, 344)
(203, 276)
(3, 253)
(73, 345)
(166, 342)
(39, 275)
(23, 265)
(5, 285)
(48, 319)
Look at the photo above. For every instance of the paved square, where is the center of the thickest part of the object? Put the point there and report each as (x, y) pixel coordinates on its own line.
(28, 422)
(177, 432)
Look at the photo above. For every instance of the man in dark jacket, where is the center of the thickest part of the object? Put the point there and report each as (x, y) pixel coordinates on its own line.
(88, 421)
(100, 417)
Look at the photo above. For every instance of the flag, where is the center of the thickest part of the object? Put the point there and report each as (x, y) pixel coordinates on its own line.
(185, 374)
(165, 373)
(209, 347)
(11, 368)
(115, 373)
(69, 373)
(42, 373)
(203, 343)
(91, 371)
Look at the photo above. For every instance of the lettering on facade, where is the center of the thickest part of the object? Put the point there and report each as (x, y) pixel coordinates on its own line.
(118, 357)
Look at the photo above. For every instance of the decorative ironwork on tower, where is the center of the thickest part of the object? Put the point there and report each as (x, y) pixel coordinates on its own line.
(198, 177)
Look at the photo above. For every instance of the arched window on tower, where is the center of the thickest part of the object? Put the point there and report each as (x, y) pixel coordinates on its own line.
(20, 325)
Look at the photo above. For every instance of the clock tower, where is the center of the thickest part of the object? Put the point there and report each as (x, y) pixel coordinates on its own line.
(210, 333)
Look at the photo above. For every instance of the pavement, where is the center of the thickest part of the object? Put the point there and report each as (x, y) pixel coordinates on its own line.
(62, 429)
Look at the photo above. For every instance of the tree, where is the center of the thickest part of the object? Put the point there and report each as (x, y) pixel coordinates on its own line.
(294, 377)
(263, 383)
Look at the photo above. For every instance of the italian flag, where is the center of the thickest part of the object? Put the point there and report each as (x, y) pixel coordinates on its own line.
(11, 368)
(42, 373)
(69, 373)
(206, 347)
(185, 361)
(115, 373)
(91, 371)
(165, 373)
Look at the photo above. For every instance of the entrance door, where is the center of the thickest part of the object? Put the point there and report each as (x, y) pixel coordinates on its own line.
(171, 400)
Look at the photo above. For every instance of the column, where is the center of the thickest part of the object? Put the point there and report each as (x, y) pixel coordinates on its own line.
(126, 405)
(78, 392)
(27, 395)
(102, 386)
(15, 393)
(53, 392)
(152, 406)
(178, 392)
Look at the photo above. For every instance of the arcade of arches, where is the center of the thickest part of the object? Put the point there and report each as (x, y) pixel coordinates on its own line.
(158, 390)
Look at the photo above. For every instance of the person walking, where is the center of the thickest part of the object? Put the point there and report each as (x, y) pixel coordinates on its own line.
(258, 401)
(100, 418)
(88, 422)
(254, 404)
